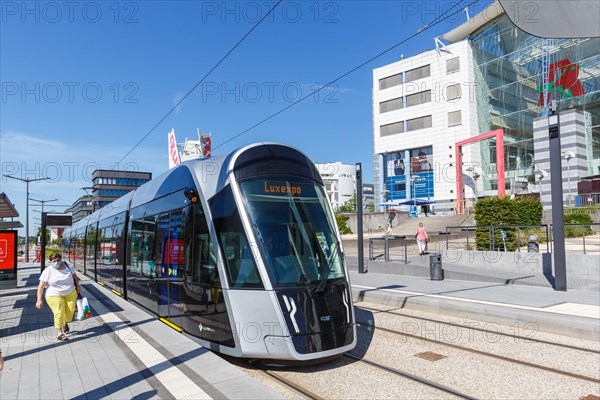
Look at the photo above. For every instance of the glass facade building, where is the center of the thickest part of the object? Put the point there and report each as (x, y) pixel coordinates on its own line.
(511, 70)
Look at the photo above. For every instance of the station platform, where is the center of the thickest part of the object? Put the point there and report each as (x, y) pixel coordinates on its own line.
(121, 352)
(125, 352)
(574, 313)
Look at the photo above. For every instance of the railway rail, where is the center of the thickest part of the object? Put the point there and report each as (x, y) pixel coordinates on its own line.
(483, 353)
(495, 332)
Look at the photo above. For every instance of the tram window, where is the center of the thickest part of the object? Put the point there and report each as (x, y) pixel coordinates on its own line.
(175, 258)
(90, 250)
(136, 243)
(202, 255)
(239, 261)
(148, 264)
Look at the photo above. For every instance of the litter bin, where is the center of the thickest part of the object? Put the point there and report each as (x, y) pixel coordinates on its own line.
(436, 273)
(533, 244)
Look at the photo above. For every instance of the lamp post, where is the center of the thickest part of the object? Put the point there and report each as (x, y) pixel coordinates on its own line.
(359, 219)
(44, 202)
(26, 209)
(556, 192)
(568, 155)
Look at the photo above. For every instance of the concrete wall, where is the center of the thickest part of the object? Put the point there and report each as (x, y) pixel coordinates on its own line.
(579, 266)
(375, 221)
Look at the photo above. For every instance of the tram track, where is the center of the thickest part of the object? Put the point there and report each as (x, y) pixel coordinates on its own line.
(494, 332)
(410, 376)
(482, 353)
(291, 385)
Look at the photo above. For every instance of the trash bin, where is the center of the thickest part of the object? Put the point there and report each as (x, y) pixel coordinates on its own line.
(533, 244)
(436, 273)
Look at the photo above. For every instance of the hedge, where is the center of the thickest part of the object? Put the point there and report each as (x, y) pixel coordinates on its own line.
(503, 211)
(574, 231)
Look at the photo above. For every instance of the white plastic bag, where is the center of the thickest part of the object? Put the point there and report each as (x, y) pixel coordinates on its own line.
(83, 309)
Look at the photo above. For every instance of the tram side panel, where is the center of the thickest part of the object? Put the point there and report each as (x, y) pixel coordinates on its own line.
(171, 270)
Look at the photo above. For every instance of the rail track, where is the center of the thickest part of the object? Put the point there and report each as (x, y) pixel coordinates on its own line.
(410, 376)
(483, 353)
(511, 335)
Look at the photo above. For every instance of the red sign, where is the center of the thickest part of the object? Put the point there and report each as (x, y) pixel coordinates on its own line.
(206, 145)
(563, 77)
(8, 247)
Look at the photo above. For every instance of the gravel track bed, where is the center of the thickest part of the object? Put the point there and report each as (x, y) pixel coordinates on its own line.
(526, 331)
(347, 379)
(476, 375)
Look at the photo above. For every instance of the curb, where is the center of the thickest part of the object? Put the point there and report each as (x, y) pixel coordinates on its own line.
(559, 324)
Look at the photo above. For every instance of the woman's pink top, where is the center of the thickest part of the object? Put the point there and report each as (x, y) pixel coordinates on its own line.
(421, 234)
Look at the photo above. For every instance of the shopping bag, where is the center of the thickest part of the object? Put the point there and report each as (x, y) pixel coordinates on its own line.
(83, 309)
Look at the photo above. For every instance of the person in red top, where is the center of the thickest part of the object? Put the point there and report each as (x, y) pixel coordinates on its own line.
(421, 236)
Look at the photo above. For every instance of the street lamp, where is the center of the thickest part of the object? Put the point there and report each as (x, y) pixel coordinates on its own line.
(44, 202)
(568, 155)
(26, 209)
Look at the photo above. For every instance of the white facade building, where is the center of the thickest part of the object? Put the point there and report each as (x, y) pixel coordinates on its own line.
(422, 106)
(492, 77)
(339, 181)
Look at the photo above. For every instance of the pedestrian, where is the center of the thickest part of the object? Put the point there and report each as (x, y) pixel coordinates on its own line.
(62, 288)
(1, 361)
(388, 229)
(421, 237)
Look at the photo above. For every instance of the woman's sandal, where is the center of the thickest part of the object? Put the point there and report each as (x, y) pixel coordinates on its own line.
(66, 329)
(62, 337)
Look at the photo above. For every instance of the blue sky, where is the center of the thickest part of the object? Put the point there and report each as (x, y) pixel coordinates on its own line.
(83, 83)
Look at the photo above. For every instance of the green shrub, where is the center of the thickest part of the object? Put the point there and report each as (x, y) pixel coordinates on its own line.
(341, 222)
(50, 251)
(574, 231)
(503, 211)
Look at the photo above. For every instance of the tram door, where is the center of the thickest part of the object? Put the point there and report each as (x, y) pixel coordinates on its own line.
(203, 302)
(175, 264)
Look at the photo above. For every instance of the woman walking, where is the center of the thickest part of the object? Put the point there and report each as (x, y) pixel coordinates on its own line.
(421, 236)
(62, 288)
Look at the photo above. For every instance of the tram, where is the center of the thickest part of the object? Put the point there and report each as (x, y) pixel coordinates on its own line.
(241, 251)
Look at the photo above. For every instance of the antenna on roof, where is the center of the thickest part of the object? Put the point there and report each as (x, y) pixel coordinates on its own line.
(467, 13)
(439, 46)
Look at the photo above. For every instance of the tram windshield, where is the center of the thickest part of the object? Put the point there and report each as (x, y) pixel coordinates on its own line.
(295, 230)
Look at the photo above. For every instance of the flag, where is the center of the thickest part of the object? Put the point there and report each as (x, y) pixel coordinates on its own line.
(173, 152)
(205, 142)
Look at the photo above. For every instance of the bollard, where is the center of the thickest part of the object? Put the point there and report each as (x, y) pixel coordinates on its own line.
(436, 273)
(533, 245)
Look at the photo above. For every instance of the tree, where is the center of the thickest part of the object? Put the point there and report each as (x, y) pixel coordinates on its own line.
(349, 206)
(47, 237)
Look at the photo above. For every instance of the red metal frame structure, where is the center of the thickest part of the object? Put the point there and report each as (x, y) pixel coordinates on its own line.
(460, 183)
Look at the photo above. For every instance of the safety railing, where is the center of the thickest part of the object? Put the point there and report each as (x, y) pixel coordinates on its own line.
(517, 235)
(387, 246)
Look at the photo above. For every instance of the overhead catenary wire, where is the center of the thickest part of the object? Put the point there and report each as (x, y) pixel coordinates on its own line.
(435, 22)
(199, 82)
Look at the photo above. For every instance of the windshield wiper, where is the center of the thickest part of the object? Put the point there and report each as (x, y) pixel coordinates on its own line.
(327, 264)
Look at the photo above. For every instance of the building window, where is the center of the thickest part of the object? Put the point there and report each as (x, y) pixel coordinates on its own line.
(419, 123)
(418, 73)
(453, 92)
(454, 118)
(390, 105)
(392, 129)
(418, 98)
(452, 65)
(390, 81)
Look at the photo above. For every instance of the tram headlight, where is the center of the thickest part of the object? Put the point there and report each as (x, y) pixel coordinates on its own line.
(191, 195)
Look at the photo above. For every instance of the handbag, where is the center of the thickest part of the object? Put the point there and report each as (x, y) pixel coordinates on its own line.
(83, 308)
